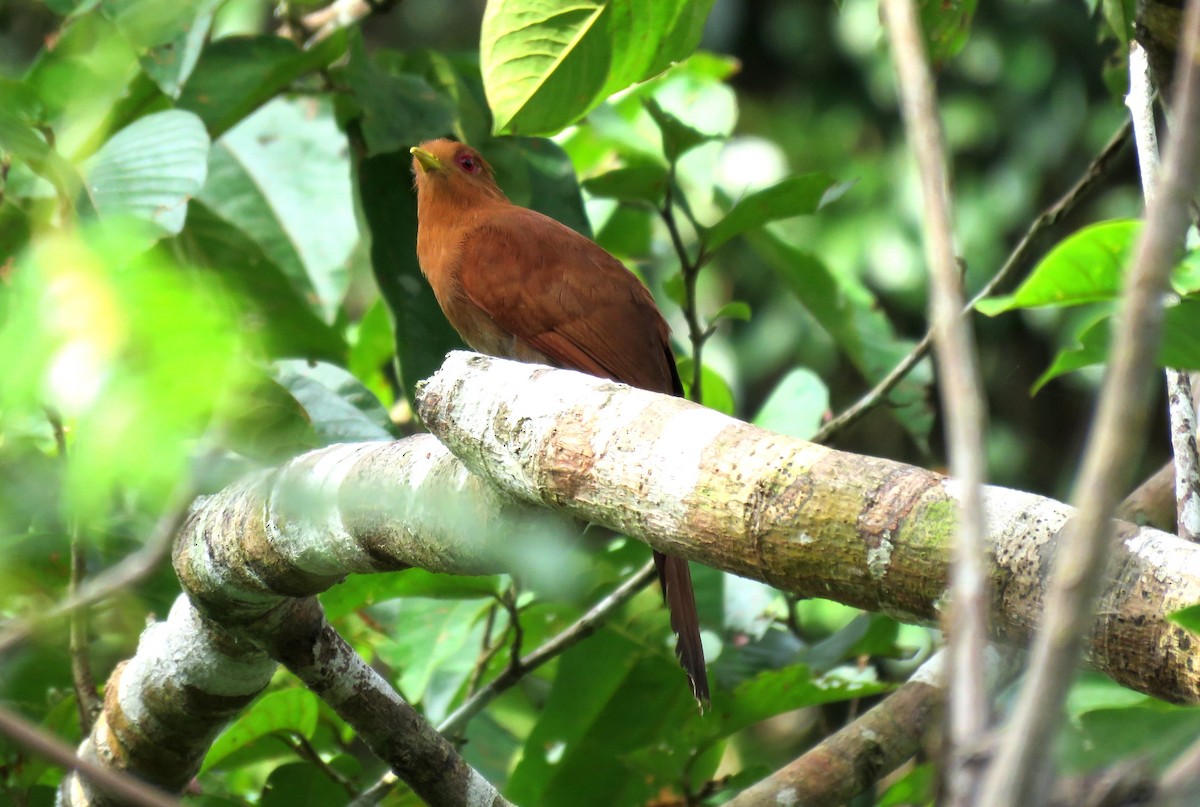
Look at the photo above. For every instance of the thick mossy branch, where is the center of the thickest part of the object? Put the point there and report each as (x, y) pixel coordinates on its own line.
(808, 519)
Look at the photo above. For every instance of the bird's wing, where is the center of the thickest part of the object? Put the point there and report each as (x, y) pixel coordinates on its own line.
(564, 296)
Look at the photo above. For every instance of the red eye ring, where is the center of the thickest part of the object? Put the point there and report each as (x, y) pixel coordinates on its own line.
(468, 162)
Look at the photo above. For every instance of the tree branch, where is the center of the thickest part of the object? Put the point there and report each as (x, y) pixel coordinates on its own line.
(807, 519)
(969, 710)
(1023, 757)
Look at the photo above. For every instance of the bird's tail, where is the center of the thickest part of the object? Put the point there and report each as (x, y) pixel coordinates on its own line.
(676, 580)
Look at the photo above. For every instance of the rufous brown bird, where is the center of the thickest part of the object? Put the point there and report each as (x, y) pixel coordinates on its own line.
(517, 284)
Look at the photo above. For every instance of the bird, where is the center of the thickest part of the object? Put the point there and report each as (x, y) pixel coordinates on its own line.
(518, 284)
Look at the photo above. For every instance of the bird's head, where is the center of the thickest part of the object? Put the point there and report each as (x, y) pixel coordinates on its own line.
(446, 169)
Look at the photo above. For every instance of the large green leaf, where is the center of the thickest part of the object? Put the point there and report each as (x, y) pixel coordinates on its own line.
(303, 219)
(294, 710)
(146, 23)
(1085, 267)
(236, 75)
(546, 64)
(150, 169)
(850, 314)
(170, 63)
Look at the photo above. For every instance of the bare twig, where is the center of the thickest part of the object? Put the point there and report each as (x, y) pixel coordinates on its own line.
(1140, 101)
(121, 785)
(690, 271)
(305, 750)
(1096, 171)
(128, 572)
(87, 701)
(967, 630)
(1023, 757)
(341, 14)
(578, 630)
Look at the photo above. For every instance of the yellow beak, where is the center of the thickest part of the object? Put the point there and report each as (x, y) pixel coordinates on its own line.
(426, 160)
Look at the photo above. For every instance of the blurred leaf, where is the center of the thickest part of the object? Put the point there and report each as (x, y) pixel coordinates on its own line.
(676, 292)
(749, 606)
(292, 709)
(301, 784)
(1156, 732)
(373, 347)
(946, 26)
(545, 65)
(150, 169)
(535, 172)
(732, 310)
(677, 137)
(341, 409)
(283, 176)
(1120, 16)
(798, 195)
(236, 75)
(850, 314)
(171, 63)
(1189, 618)
(273, 309)
(1180, 346)
(363, 590)
(715, 389)
(22, 141)
(627, 233)
(397, 110)
(1186, 277)
(918, 786)
(264, 421)
(1085, 267)
(146, 23)
(796, 406)
(423, 336)
(641, 182)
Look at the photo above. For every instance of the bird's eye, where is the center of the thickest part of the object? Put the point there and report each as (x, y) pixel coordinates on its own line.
(467, 163)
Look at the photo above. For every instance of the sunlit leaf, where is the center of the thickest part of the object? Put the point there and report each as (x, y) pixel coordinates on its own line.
(796, 406)
(798, 195)
(341, 409)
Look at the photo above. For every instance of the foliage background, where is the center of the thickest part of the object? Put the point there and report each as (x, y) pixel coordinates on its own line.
(198, 347)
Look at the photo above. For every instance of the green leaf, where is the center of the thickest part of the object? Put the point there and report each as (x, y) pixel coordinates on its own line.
(640, 182)
(302, 219)
(364, 590)
(675, 290)
(236, 75)
(147, 23)
(273, 309)
(918, 786)
(748, 606)
(677, 137)
(372, 348)
(535, 172)
(292, 709)
(1154, 732)
(628, 232)
(799, 195)
(423, 336)
(714, 388)
(732, 310)
(261, 419)
(397, 110)
(150, 169)
(1188, 617)
(796, 406)
(172, 62)
(22, 141)
(851, 315)
(1180, 346)
(1086, 267)
(545, 64)
(341, 409)
(1120, 16)
(301, 784)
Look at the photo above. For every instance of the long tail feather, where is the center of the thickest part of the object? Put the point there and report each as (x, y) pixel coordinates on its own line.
(676, 580)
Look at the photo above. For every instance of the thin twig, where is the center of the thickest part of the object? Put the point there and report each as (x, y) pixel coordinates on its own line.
(128, 572)
(1048, 218)
(305, 750)
(580, 629)
(1024, 753)
(969, 712)
(690, 272)
(117, 783)
(87, 701)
